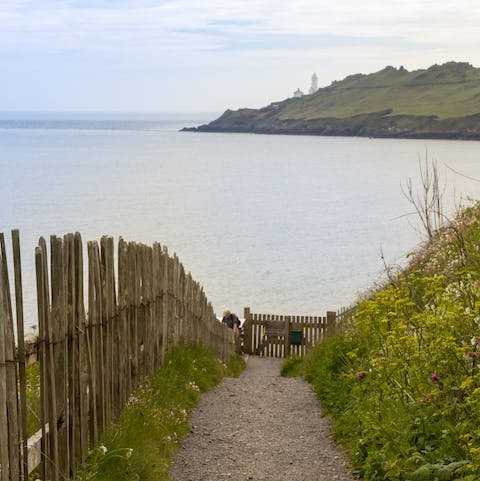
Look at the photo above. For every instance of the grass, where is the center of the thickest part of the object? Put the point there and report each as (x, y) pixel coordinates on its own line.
(402, 381)
(292, 366)
(443, 101)
(33, 398)
(142, 443)
(446, 92)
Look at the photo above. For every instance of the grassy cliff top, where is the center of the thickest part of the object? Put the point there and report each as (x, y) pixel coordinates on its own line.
(450, 90)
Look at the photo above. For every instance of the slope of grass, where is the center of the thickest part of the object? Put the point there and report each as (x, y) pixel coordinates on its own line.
(402, 381)
(448, 91)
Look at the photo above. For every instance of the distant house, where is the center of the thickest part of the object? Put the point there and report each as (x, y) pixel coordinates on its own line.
(298, 93)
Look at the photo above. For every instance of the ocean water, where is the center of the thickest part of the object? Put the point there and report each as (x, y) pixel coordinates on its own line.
(283, 224)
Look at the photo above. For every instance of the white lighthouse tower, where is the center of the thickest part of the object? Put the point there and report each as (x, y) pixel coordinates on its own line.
(314, 86)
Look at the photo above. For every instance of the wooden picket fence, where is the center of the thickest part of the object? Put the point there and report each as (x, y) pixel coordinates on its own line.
(272, 335)
(91, 359)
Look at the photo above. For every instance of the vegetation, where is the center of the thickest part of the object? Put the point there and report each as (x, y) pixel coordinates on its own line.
(402, 379)
(149, 430)
(292, 366)
(445, 91)
(32, 373)
(441, 101)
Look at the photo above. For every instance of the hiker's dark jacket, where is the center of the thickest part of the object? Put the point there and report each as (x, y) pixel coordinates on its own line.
(231, 320)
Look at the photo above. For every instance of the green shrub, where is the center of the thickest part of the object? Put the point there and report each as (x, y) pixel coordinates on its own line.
(235, 365)
(292, 366)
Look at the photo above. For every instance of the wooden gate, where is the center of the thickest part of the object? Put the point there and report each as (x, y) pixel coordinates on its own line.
(281, 335)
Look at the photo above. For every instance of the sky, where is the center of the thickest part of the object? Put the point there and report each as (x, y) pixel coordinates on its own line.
(210, 55)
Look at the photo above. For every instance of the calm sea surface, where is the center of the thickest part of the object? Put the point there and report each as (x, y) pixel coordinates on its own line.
(284, 224)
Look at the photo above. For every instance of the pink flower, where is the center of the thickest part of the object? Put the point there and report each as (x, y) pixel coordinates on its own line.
(472, 355)
(434, 378)
(360, 375)
(424, 400)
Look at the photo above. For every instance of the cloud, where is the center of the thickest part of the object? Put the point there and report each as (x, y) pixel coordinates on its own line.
(167, 25)
(182, 48)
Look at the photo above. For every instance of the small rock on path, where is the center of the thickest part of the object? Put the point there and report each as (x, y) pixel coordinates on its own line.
(260, 427)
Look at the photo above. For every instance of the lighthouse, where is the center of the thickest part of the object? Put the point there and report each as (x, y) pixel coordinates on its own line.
(314, 86)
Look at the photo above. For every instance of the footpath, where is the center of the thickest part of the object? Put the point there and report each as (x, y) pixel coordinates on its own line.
(260, 427)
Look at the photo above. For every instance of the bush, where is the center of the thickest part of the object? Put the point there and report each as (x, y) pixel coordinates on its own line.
(292, 366)
(402, 382)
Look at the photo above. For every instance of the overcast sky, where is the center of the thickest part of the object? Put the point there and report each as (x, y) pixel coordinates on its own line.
(209, 55)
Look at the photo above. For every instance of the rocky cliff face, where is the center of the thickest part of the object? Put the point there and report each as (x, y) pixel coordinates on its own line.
(378, 124)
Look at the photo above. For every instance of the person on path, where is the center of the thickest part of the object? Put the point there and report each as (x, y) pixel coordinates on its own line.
(231, 320)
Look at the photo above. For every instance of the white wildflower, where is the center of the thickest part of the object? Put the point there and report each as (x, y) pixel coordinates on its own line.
(193, 385)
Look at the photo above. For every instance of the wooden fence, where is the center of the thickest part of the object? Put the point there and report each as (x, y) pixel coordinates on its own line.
(92, 359)
(273, 335)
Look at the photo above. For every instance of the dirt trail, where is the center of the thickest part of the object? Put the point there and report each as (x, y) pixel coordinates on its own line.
(260, 427)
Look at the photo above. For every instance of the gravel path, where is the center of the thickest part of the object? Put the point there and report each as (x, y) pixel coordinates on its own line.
(259, 427)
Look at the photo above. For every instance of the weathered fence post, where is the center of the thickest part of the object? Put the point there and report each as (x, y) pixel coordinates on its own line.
(287, 335)
(58, 336)
(247, 331)
(4, 402)
(331, 322)
(10, 369)
(165, 302)
(17, 266)
(123, 333)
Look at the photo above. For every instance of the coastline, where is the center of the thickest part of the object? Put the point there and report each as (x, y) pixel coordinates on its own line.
(377, 125)
(411, 136)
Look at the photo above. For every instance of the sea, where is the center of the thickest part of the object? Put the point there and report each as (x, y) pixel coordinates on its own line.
(281, 224)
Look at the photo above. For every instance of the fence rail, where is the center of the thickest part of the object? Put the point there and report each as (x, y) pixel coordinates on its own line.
(91, 359)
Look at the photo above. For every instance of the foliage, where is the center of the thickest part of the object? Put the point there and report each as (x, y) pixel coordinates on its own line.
(150, 429)
(235, 365)
(32, 373)
(445, 91)
(402, 381)
(292, 366)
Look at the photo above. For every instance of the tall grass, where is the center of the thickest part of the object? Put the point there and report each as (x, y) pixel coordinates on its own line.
(32, 373)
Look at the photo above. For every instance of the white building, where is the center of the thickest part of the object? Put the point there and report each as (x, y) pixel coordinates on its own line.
(298, 93)
(314, 86)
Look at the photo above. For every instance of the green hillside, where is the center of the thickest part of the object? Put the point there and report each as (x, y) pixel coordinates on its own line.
(442, 101)
(445, 91)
